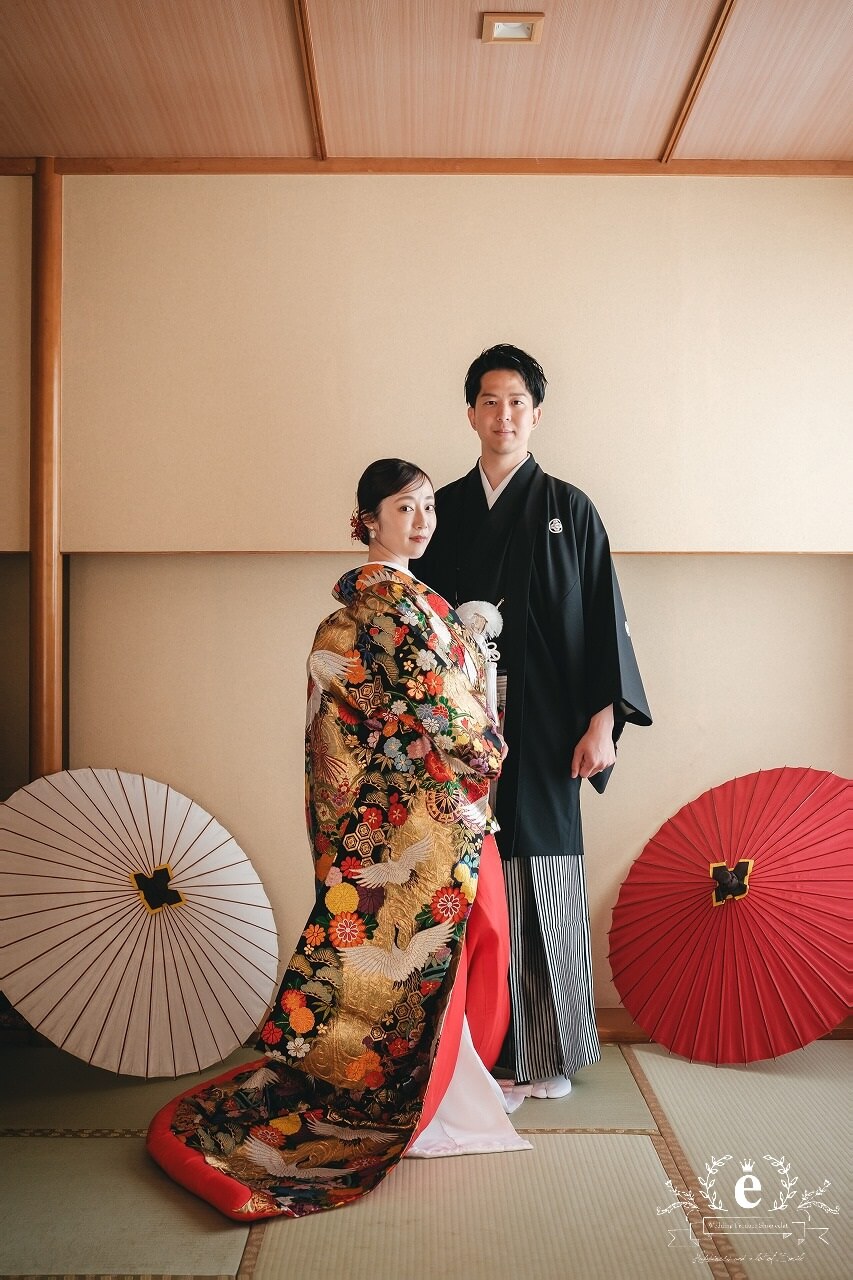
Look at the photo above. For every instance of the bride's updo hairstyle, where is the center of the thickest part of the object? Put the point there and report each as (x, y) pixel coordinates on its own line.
(382, 478)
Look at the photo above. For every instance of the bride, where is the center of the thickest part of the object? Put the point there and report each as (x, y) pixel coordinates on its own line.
(395, 1001)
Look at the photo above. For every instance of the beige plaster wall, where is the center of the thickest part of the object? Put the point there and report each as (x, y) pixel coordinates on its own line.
(237, 348)
(192, 669)
(15, 239)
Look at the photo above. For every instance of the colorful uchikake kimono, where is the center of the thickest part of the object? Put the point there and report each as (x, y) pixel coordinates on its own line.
(400, 750)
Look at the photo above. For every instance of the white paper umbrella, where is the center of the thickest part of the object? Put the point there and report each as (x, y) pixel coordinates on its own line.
(135, 931)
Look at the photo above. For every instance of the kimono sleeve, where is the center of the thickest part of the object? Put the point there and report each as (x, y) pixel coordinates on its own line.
(412, 696)
(612, 673)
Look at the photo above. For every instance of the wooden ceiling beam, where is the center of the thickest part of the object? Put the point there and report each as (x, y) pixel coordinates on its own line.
(16, 166)
(309, 68)
(523, 166)
(699, 75)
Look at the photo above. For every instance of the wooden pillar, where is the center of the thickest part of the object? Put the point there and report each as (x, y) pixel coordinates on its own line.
(46, 623)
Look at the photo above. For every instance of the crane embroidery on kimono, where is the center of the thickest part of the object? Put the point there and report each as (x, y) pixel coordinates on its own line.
(397, 963)
(397, 871)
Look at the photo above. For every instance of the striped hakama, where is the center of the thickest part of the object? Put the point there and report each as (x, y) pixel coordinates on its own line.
(553, 1030)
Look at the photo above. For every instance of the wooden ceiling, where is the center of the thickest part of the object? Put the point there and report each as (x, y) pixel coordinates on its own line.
(296, 85)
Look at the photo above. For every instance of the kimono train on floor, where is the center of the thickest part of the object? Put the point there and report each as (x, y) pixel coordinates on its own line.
(400, 750)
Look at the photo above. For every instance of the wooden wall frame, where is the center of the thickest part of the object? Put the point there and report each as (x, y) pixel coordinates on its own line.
(46, 577)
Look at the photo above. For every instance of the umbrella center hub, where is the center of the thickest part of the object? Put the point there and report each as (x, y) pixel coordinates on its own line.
(730, 882)
(155, 890)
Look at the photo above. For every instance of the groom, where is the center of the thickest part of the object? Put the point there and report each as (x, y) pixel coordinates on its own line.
(536, 547)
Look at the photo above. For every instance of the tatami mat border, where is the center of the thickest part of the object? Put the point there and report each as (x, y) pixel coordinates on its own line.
(718, 1248)
(72, 1133)
(609, 1130)
(252, 1250)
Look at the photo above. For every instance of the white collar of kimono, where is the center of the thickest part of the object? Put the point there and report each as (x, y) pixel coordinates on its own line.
(492, 495)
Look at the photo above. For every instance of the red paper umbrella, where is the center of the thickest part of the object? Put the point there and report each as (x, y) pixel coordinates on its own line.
(731, 936)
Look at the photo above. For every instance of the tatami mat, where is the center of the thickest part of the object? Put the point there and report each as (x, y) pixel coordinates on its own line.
(577, 1205)
(99, 1206)
(587, 1201)
(797, 1110)
(603, 1096)
(44, 1088)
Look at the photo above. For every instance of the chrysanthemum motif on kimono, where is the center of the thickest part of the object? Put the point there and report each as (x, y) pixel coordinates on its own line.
(400, 749)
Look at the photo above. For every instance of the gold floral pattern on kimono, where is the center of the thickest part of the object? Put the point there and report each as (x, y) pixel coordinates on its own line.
(400, 751)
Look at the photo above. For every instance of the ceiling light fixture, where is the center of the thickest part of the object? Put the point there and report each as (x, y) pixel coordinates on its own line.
(512, 28)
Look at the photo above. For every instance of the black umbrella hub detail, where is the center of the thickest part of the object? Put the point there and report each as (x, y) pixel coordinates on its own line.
(155, 890)
(731, 882)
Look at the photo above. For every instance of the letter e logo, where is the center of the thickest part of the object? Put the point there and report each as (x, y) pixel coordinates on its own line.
(748, 1182)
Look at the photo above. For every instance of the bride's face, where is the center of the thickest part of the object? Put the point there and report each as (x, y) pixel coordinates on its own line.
(403, 524)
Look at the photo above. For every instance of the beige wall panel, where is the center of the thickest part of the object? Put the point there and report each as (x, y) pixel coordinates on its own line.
(191, 669)
(15, 241)
(237, 348)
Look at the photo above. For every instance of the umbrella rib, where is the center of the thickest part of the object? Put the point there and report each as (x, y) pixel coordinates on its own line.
(133, 849)
(720, 842)
(225, 866)
(122, 846)
(656, 841)
(76, 981)
(738, 851)
(202, 974)
(771, 824)
(43, 955)
(49, 928)
(130, 956)
(162, 931)
(760, 815)
(168, 933)
(675, 928)
(682, 910)
(202, 909)
(785, 938)
(154, 858)
(163, 827)
(104, 848)
(207, 853)
(703, 925)
(75, 872)
(192, 935)
(780, 831)
(758, 959)
(132, 811)
(146, 937)
(171, 854)
(191, 932)
(796, 845)
(706, 960)
(232, 902)
(139, 926)
(195, 838)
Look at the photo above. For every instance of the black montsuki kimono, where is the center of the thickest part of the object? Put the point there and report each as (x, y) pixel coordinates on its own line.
(543, 552)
